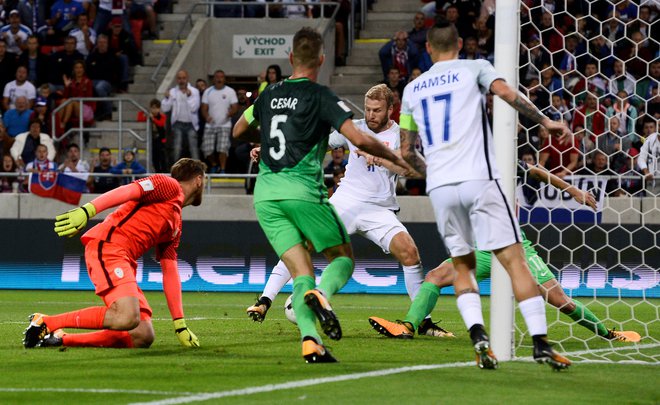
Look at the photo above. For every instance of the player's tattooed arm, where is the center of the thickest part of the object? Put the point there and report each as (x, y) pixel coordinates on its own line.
(410, 153)
(523, 105)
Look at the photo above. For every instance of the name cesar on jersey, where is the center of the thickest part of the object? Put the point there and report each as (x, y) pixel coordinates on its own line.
(445, 78)
(278, 103)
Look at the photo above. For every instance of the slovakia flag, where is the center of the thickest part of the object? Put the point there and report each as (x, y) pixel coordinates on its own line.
(59, 186)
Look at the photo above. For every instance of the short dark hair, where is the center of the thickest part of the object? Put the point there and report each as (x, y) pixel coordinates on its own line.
(185, 169)
(154, 103)
(443, 36)
(72, 145)
(104, 149)
(307, 47)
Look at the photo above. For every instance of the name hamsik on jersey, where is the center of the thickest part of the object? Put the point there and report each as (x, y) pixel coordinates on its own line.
(368, 183)
(448, 100)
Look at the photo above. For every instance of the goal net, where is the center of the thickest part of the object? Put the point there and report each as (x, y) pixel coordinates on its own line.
(594, 64)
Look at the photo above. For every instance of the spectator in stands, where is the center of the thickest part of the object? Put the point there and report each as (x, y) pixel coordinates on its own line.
(79, 85)
(558, 110)
(15, 34)
(417, 35)
(129, 165)
(123, 45)
(273, 75)
(201, 85)
(32, 14)
(9, 184)
(394, 81)
(61, 63)
(559, 157)
(7, 65)
(242, 148)
(594, 82)
(591, 116)
(63, 16)
(649, 157)
(464, 23)
(629, 172)
(338, 160)
(610, 141)
(102, 66)
(18, 88)
(144, 10)
(40, 163)
(614, 29)
(158, 136)
(567, 61)
(485, 39)
(42, 115)
(470, 49)
(17, 119)
(533, 60)
(586, 146)
(73, 163)
(645, 86)
(84, 35)
(620, 79)
(416, 72)
(219, 103)
(626, 113)
(400, 53)
(600, 166)
(6, 141)
(35, 62)
(183, 101)
(25, 147)
(337, 175)
(102, 184)
(104, 16)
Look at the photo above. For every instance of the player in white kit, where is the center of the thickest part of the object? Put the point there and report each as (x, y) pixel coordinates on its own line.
(367, 205)
(445, 107)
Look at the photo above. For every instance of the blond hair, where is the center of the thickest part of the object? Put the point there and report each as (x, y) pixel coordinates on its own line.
(381, 92)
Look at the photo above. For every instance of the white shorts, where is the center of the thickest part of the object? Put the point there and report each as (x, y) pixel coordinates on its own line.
(474, 211)
(378, 224)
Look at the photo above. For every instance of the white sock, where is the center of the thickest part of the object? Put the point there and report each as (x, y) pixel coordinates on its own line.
(278, 278)
(413, 276)
(469, 306)
(533, 311)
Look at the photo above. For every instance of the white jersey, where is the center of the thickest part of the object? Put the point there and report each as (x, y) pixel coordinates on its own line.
(219, 102)
(446, 106)
(369, 184)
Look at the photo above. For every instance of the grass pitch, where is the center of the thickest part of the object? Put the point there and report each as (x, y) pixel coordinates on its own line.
(245, 362)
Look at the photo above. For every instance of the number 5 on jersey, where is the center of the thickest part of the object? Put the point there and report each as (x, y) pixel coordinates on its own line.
(444, 101)
(276, 132)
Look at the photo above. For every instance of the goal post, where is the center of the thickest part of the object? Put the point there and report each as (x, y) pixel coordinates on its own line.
(504, 132)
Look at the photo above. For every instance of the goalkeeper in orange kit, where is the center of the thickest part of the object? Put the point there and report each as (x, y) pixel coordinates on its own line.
(149, 215)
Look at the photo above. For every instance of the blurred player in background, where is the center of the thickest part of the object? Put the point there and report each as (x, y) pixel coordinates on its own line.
(446, 106)
(149, 215)
(367, 205)
(445, 274)
(290, 198)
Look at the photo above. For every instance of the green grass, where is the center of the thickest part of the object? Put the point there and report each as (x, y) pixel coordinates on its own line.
(237, 353)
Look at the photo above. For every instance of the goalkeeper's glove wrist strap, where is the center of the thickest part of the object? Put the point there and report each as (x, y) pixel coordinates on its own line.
(89, 210)
(180, 324)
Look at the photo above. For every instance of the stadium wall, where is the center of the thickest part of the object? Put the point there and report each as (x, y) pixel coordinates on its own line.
(223, 249)
(229, 44)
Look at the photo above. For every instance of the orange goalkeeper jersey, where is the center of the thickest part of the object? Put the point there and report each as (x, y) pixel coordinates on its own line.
(152, 220)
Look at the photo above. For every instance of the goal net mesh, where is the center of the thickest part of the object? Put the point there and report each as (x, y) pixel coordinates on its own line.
(595, 65)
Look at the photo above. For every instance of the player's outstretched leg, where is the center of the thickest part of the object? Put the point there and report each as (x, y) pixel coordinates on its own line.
(258, 311)
(278, 278)
(398, 329)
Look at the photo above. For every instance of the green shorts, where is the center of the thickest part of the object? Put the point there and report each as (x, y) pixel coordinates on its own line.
(539, 269)
(287, 223)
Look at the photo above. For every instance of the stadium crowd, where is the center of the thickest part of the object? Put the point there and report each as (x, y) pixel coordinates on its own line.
(602, 79)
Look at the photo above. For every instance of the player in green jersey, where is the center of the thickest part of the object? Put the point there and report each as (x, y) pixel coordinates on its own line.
(443, 276)
(290, 199)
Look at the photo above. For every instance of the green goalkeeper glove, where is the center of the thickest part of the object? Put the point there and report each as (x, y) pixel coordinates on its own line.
(185, 335)
(72, 222)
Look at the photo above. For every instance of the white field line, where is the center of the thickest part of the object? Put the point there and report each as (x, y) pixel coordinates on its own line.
(301, 383)
(95, 391)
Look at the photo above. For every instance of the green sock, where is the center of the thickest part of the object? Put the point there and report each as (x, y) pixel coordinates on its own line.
(304, 316)
(583, 316)
(423, 304)
(336, 275)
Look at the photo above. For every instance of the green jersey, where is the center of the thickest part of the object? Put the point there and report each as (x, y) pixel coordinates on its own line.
(296, 117)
